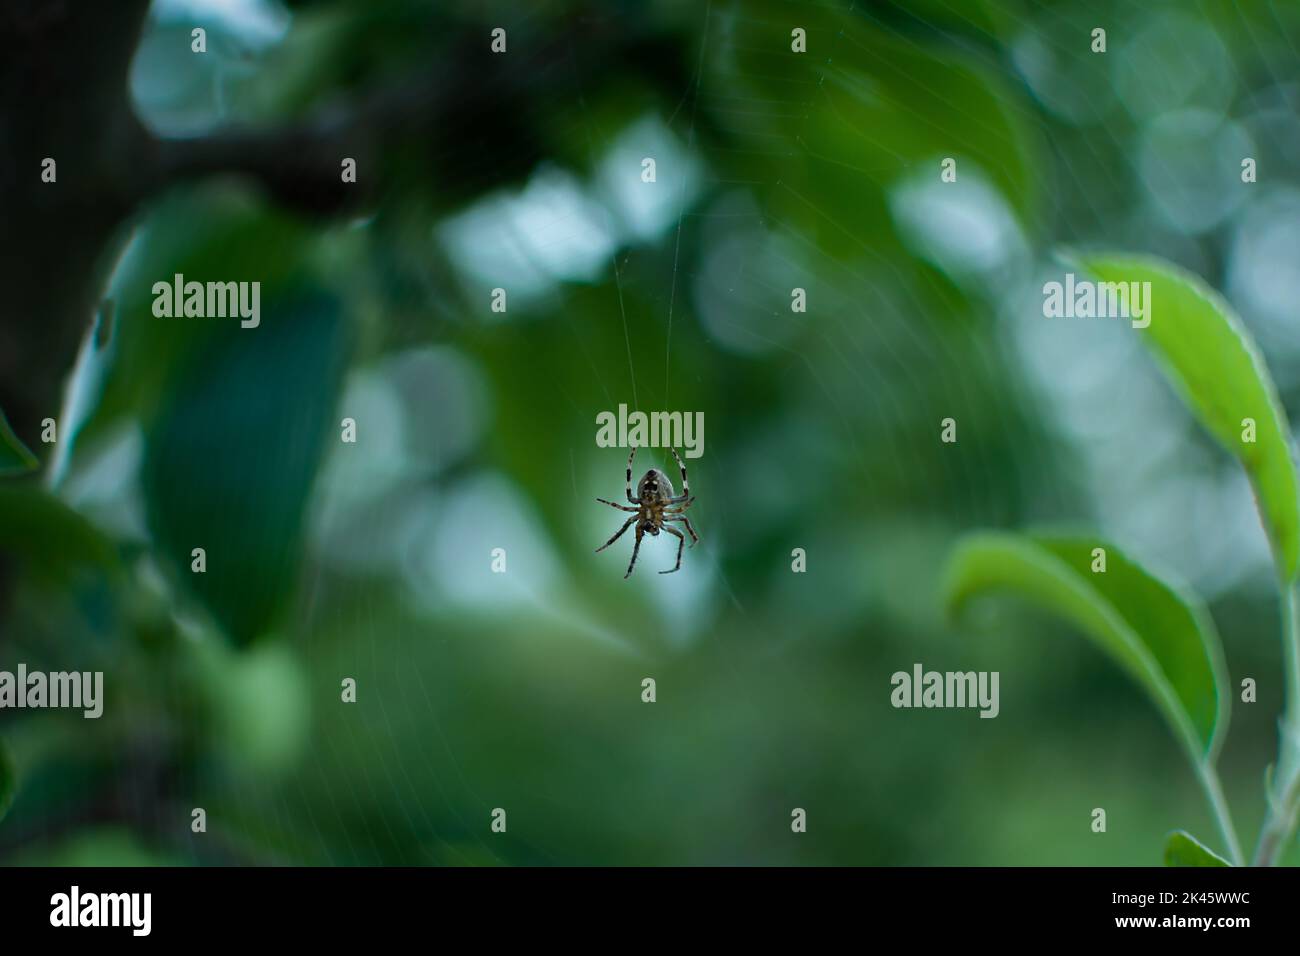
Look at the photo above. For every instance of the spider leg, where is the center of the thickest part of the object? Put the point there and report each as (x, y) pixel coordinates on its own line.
(616, 505)
(677, 505)
(629, 476)
(695, 538)
(681, 543)
(686, 488)
(635, 548)
(618, 534)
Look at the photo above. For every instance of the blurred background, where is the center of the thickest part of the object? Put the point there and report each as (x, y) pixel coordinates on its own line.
(476, 429)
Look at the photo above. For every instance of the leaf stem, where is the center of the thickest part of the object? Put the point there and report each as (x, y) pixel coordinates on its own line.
(1285, 800)
(1209, 778)
(1291, 654)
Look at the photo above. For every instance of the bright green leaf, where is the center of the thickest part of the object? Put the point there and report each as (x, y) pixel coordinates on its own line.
(1183, 849)
(15, 457)
(1220, 373)
(1161, 636)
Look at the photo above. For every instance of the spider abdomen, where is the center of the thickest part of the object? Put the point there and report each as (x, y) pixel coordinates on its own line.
(654, 486)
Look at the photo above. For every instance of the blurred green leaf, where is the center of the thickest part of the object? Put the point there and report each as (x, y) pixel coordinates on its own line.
(1162, 637)
(1183, 849)
(1218, 370)
(15, 457)
(240, 237)
(979, 21)
(8, 780)
(229, 464)
(97, 847)
(261, 703)
(863, 110)
(49, 537)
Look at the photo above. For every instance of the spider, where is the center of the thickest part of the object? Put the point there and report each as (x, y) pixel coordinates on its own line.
(656, 505)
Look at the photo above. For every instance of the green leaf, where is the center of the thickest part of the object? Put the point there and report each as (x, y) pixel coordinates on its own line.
(49, 539)
(866, 122)
(1163, 637)
(8, 780)
(229, 462)
(1183, 849)
(15, 457)
(1219, 372)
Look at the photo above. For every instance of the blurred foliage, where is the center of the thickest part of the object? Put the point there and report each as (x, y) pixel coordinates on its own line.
(6, 780)
(15, 457)
(371, 561)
